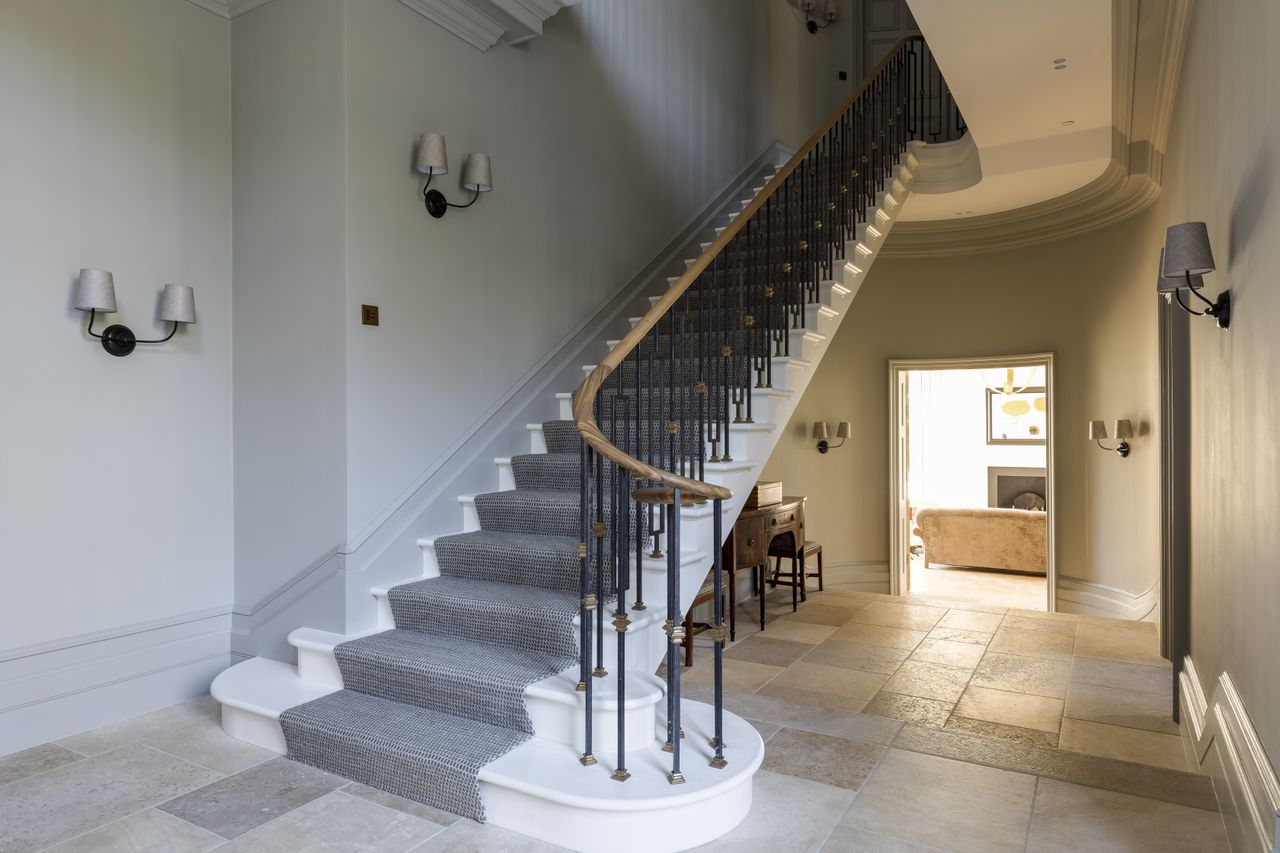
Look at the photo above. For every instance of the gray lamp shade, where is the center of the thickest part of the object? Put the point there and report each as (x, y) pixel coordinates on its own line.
(842, 431)
(1097, 430)
(476, 174)
(178, 304)
(1186, 251)
(830, 11)
(1124, 429)
(1177, 282)
(432, 158)
(96, 291)
(820, 430)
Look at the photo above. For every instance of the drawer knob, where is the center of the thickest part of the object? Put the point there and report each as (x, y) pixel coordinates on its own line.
(773, 522)
(751, 541)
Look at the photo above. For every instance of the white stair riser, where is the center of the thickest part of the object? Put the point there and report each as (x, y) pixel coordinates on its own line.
(256, 729)
(506, 476)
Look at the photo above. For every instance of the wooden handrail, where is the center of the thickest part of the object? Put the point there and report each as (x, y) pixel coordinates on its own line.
(584, 397)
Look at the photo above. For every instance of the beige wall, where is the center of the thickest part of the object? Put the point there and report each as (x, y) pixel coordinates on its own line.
(1090, 301)
(1221, 165)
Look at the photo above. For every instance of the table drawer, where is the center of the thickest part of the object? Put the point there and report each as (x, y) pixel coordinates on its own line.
(780, 521)
(750, 544)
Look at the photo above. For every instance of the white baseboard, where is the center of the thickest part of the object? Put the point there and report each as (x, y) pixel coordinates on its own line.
(1225, 747)
(1090, 598)
(58, 689)
(861, 575)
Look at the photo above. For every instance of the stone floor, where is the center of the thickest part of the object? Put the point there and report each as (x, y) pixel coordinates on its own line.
(891, 725)
(978, 587)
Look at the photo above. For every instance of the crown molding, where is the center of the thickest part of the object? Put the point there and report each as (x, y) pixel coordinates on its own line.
(484, 23)
(229, 8)
(1148, 41)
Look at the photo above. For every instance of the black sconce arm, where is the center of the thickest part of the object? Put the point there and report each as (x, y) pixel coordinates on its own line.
(437, 204)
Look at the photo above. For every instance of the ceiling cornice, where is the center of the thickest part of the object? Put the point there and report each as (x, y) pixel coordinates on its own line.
(229, 8)
(1148, 40)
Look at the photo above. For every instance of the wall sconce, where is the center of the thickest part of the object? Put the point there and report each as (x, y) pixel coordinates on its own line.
(1124, 430)
(1184, 261)
(830, 12)
(820, 433)
(432, 160)
(96, 291)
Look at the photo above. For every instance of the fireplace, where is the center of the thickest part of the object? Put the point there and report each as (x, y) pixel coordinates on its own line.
(1006, 484)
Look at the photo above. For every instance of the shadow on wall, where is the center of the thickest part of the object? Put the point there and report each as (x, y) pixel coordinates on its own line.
(1251, 200)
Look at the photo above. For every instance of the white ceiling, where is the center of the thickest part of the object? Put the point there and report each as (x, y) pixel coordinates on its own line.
(998, 58)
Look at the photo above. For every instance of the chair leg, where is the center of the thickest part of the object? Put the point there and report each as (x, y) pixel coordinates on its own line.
(820, 587)
(795, 583)
(804, 578)
(761, 569)
(733, 606)
(777, 567)
(688, 639)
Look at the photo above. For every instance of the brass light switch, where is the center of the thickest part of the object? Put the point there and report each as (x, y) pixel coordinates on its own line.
(369, 315)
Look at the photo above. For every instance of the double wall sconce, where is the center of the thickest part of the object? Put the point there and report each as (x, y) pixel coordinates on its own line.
(432, 160)
(829, 14)
(96, 292)
(1184, 261)
(820, 433)
(1124, 431)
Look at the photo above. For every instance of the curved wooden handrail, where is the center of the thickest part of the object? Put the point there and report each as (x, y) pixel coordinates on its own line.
(584, 397)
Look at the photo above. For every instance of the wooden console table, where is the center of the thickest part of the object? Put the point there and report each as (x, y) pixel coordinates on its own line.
(748, 545)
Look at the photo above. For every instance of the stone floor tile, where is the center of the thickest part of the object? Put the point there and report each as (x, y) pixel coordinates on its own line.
(73, 799)
(912, 709)
(37, 759)
(971, 620)
(768, 650)
(766, 730)
(929, 681)
(1071, 817)
(911, 616)
(339, 823)
(999, 731)
(951, 804)
(949, 652)
(830, 679)
(1023, 674)
(1112, 643)
(1126, 744)
(818, 698)
(401, 804)
(142, 832)
(822, 758)
(738, 675)
(880, 635)
(800, 632)
(165, 725)
(1119, 707)
(467, 836)
(1174, 786)
(787, 813)
(821, 614)
(1042, 622)
(1146, 677)
(1044, 644)
(960, 635)
(769, 709)
(848, 654)
(847, 839)
(236, 804)
(1011, 709)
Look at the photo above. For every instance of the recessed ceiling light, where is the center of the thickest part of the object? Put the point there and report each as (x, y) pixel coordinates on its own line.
(1068, 123)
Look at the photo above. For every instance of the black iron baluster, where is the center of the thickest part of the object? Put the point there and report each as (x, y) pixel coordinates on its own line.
(622, 534)
(675, 632)
(589, 600)
(717, 570)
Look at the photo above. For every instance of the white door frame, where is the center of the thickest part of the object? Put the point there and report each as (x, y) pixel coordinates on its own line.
(897, 548)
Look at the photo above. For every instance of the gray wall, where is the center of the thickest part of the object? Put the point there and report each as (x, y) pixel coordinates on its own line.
(1221, 167)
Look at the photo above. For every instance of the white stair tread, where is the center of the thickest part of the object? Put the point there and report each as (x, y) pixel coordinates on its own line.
(264, 687)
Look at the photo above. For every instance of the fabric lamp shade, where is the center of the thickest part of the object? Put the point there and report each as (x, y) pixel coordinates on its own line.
(1177, 282)
(1124, 429)
(178, 304)
(432, 157)
(476, 173)
(1097, 430)
(820, 430)
(96, 291)
(842, 431)
(1186, 251)
(830, 10)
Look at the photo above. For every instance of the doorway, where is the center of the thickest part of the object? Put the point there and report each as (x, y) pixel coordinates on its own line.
(971, 480)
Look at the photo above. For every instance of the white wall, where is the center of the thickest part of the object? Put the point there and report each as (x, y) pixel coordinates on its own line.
(115, 474)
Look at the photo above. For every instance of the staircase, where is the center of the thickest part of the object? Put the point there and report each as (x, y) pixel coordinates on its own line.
(513, 680)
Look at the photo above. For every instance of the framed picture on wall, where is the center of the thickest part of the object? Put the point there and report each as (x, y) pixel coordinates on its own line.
(1019, 418)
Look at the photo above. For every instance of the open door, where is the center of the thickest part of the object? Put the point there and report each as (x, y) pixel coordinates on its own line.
(1175, 493)
(903, 509)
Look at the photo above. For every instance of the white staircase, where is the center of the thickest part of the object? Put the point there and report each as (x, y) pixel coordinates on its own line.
(540, 789)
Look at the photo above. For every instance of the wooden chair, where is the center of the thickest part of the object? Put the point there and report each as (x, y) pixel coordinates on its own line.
(796, 578)
(706, 595)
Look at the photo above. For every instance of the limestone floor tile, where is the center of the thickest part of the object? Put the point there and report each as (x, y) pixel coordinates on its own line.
(949, 652)
(1042, 622)
(67, 801)
(880, 635)
(822, 758)
(1044, 644)
(911, 616)
(971, 620)
(1119, 707)
(847, 839)
(829, 701)
(848, 654)
(150, 830)
(738, 675)
(401, 804)
(999, 731)
(820, 614)
(769, 709)
(166, 724)
(1011, 709)
(1112, 643)
(799, 632)
(950, 804)
(37, 759)
(1118, 823)
(929, 681)
(853, 683)
(236, 804)
(765, 649)
(1023, 674)
(339, 823)
(766, 730)
(1126, 744)
(467, 836)
(960, 635)
(1146, 677)
(913, 709)
(787, 813)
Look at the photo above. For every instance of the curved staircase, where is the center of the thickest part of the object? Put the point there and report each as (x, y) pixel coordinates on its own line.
(483, 690)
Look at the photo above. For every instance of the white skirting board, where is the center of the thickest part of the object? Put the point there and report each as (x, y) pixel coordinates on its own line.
(1090, 598)
(1225, 746)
